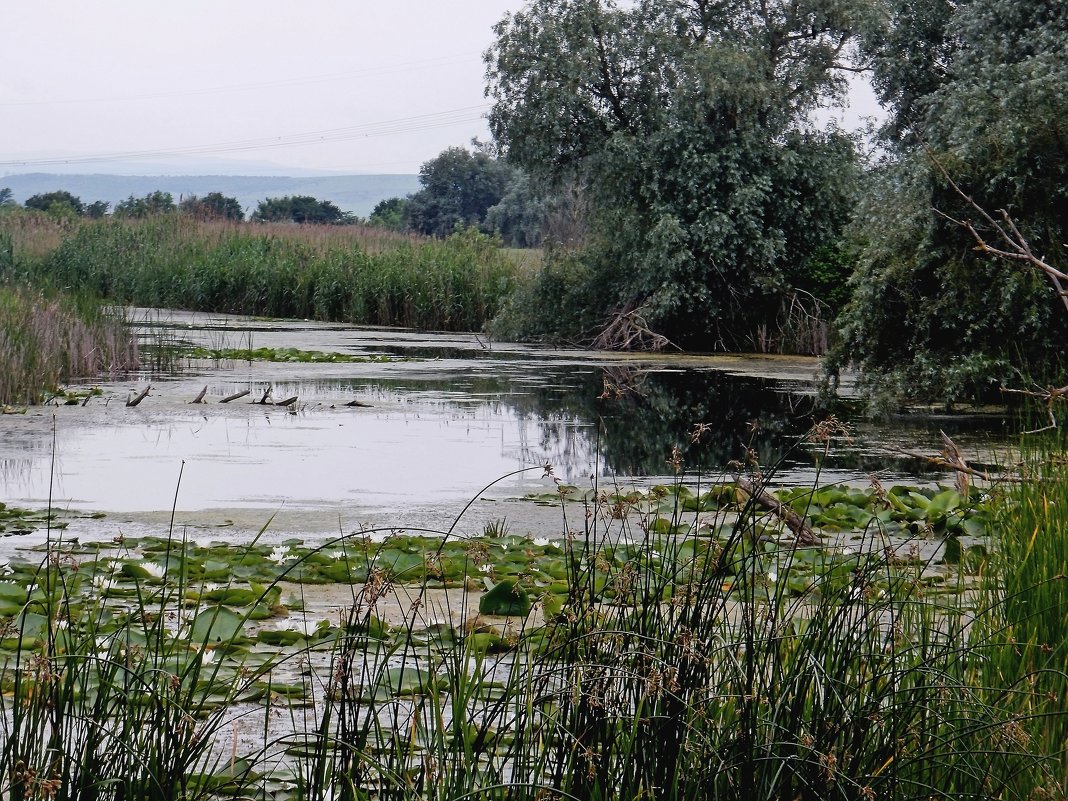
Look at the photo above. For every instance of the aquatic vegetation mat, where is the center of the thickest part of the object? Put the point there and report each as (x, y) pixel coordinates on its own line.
(668, 643)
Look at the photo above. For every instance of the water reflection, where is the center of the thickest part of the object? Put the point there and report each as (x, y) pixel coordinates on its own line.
(437, 429)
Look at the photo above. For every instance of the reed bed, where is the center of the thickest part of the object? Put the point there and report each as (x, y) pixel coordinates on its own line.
(684, 652)
(47, 339)
(348, 274)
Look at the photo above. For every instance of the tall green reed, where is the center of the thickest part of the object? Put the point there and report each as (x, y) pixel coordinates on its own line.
(282, 271)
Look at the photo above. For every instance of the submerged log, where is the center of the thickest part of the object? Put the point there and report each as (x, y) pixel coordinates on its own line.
(286, 402)
(200, 398)
(360, 404)
(266, 394)
(235, 396)
(139, 398)
(761, 497)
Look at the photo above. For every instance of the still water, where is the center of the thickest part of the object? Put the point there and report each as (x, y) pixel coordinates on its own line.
(444, 417)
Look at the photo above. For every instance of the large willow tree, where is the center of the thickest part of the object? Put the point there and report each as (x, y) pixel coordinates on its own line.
(977, 92)
(687, 124)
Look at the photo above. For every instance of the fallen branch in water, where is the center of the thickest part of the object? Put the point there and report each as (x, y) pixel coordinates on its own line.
(235, 396)
(286, 402)
(761, 497)
(200, 398)
(139, 398)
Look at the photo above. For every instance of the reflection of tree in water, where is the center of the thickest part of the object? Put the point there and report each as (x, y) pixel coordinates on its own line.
(639, 416)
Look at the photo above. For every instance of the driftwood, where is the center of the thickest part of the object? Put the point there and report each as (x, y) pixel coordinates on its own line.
(953, 459)
(235, 396)
(200, 398)
(803, 535)
(266, 394)
(139, 398)
(360, 404)
(286, 402)
(627, 330)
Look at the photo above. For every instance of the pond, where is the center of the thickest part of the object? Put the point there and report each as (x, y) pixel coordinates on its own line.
(439, 417)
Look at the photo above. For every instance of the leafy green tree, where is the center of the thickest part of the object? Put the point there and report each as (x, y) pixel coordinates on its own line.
(391, 213)
(97, 209)
(459, 187)
(6, 198)
(688, 125)
(985, 98)
(213, 206)
(521, 215)
(57, 202)
(300, 209)
(151, 205)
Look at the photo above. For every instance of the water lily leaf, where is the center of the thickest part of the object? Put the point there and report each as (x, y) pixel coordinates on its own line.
(506, 598)
(413, 681)
(216, 625)
(953, 553)
(12, 592)
(280, 636)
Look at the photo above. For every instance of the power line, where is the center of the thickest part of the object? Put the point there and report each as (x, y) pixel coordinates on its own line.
(422, 122)
(388, 69)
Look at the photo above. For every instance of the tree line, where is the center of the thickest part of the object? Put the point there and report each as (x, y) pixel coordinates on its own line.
(212, 206)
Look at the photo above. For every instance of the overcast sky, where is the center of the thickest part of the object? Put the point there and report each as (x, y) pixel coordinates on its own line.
(337, 85)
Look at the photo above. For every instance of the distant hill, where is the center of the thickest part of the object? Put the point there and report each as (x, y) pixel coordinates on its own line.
(355, 193)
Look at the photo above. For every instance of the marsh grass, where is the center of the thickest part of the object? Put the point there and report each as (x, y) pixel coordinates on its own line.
(48, 338)
(335, 273)
(684, 653)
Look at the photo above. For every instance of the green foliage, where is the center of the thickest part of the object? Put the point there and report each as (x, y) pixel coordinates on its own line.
(281, 271)
(213, 206)
(986, 91)
(459, 187)
(6, 198)
(689, 129)
(519, 218)
(391, 213)
(97, 209)
(151, 205)
(300, 209)
(58, 203)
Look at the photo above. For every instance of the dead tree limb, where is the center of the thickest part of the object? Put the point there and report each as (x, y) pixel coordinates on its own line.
(1049, 397)
(200, 398)
(139, 398)
(628, 330)
(286, 402)
(266, 394)
(761, 497)
(1014, 246)
(235, 396)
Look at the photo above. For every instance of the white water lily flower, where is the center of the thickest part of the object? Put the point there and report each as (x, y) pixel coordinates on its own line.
(305, 627)
(209, 586)
(153, 569)
(207, 657)
(541, 541)
(772, 575)
(280, 554)
(846, 551)
(486, 568)
(104, 583)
